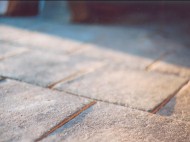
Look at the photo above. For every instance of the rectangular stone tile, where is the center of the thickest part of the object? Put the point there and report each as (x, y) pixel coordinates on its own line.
(177, 63)
(134, 41)
(114, 57)
(37, 40)
(7, 50)
(107, 122)
(48, 42)
(179, 106)
(80, 33)
(74, 32)
(26, 112)
(116, 84)
(44, 69)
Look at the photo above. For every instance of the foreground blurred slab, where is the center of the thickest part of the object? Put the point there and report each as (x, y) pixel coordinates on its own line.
(7, 50)
(26, 112)
(107, 122)
(116, 84)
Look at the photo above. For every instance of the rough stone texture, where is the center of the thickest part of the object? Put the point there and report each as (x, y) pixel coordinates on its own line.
(7, 50)
(26, 112)
(37, 40)
(176, 63)
(179, 106)
(117, 84)
(45, 35)
(47, 42)
(134, 41)
(114, 57)
(44, 69)
(106, 122)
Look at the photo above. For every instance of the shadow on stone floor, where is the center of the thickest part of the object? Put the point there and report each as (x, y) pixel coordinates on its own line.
(168, 109)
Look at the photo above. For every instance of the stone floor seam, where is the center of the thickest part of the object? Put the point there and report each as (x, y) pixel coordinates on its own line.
(66, 120)
(161, 105)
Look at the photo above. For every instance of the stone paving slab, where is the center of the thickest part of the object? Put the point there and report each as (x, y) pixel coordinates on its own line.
(48, 42)
(179, 106)
(106, 122)
(114, 57)
(44, 69)
(117, 84)
(9, 33)
(68, 31)
(26, 112)
(7, 50)
(135, 41)
(177, 63)
(37, 40)
(36, 33)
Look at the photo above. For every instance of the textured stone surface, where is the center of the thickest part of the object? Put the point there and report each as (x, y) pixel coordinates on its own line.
(44, 69)
(117, 84)
(106, 122)
(135, 41)
(179, 106)
(37, 40)
(26, 112)
(7, 50)
(114, 57)
(177, 63)
(48, 42)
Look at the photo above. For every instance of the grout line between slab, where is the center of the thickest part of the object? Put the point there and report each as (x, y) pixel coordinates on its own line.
(66, 120)
(98, 100)
(77, 48)
(73, 76)
(68, 78)
(162, 104)
(147, 68)
(13, 54)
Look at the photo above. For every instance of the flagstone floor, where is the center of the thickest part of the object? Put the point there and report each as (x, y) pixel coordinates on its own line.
(75, 82)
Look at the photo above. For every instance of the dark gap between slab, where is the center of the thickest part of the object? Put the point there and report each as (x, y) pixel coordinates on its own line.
(98, 100)
(66, 120)
(13, 54)
(147, 68)
(162, 104)
(2, 78)
(68, 78)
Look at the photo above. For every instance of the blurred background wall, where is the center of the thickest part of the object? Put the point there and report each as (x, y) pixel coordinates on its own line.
(96, 11)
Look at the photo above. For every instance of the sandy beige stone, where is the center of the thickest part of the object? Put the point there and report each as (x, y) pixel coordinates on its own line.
(118, 84)
(107, 122)
(176, 63)
(26, 112)
(45, 69)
